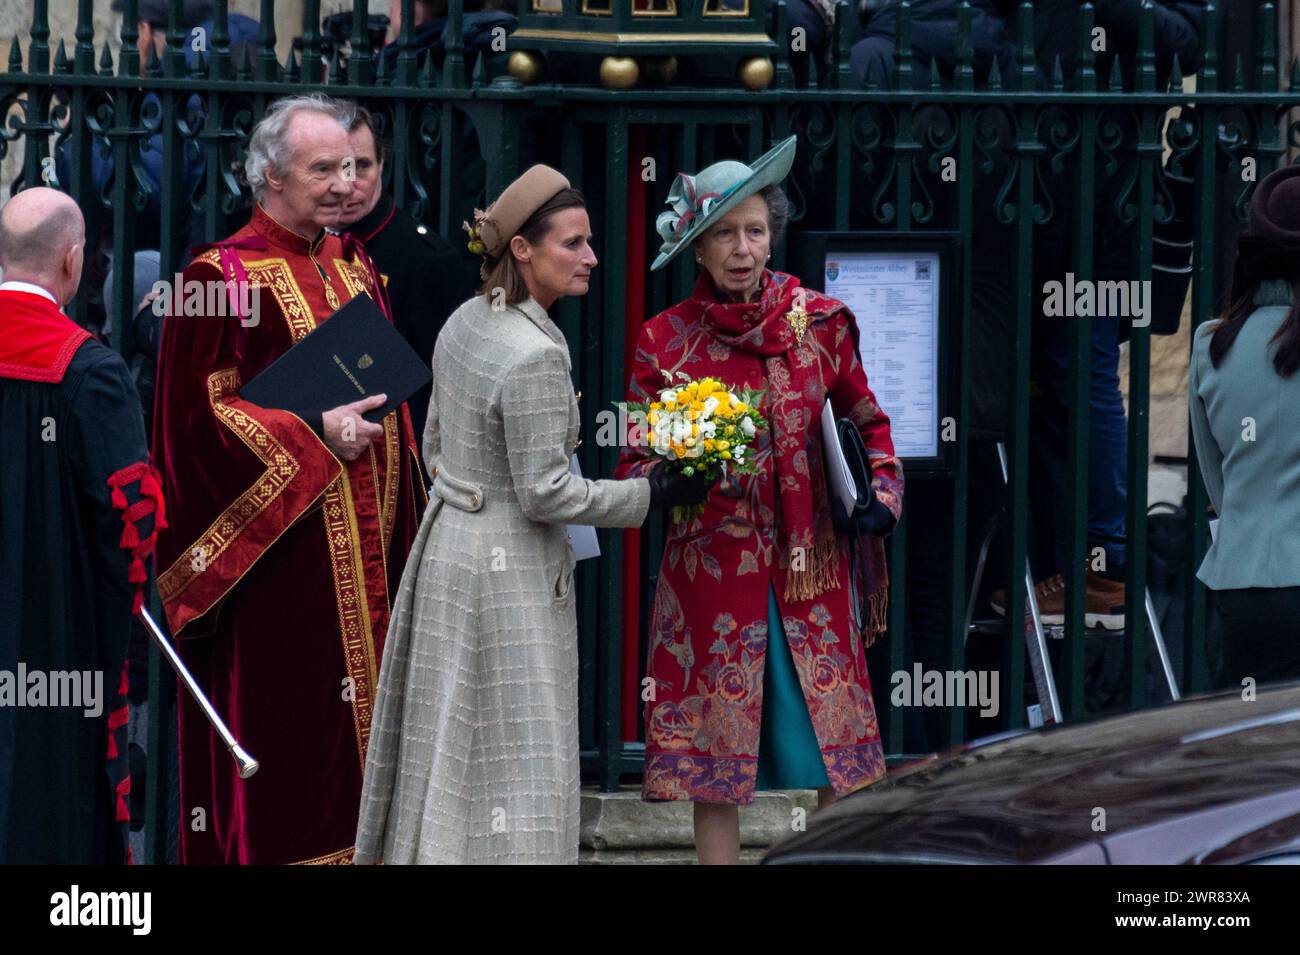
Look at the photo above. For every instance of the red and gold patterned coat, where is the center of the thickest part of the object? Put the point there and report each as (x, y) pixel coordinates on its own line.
(708, 626)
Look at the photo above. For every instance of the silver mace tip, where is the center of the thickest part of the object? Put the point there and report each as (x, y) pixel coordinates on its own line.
(247, 765)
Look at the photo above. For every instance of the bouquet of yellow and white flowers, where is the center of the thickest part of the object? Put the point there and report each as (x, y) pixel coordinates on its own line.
(703, 427)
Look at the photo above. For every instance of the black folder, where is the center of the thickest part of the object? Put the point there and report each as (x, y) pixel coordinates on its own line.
(354, 353)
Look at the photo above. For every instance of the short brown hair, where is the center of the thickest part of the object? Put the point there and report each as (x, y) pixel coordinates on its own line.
(363, 117)
(502, 271)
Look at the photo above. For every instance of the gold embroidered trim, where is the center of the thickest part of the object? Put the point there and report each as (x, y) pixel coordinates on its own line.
(281, 468)
(392, 471)
(342, 857)
(422, 501)
(276, 275)
(356, 278)
(210, 257)
(344, 541)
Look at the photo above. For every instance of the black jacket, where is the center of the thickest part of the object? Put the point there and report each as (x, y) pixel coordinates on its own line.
(426, 282)
(934, 38)
(1176, 32)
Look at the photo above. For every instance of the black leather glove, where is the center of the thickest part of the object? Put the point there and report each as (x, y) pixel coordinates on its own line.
(877, 520)
(670, 488)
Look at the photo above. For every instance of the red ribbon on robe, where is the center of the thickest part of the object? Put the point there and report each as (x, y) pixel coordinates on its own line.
(150, 502)
(233, 272)
(354, 247)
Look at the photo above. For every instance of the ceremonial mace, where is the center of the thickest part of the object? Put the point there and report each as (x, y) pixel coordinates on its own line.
(247, 765)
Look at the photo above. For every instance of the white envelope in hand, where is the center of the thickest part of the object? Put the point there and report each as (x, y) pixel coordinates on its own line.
(839, 479)
(582, 537)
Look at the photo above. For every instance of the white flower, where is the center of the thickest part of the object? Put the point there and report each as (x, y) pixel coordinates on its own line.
(667, 395)
(710, 405)
(747, 426)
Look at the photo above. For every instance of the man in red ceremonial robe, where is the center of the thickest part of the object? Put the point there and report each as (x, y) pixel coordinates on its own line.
(78, 509)
(289, 528)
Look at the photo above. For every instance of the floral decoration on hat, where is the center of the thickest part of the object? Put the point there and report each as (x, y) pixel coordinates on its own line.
(696, 202)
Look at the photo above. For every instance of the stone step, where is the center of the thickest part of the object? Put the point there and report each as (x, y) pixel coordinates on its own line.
(620, 828)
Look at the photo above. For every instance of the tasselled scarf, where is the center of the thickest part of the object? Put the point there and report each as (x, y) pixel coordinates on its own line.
(793, 399)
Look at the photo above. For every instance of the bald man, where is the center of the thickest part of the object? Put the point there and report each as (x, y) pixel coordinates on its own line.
(77, 503)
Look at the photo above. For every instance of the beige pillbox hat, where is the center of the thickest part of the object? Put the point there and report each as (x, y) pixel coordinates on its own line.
(493, 229)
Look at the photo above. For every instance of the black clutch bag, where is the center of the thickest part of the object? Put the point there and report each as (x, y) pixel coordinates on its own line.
(848, 482)
(859, 466)
(848, 470)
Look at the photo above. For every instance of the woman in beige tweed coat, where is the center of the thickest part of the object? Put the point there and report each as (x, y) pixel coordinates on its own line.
(473, 754)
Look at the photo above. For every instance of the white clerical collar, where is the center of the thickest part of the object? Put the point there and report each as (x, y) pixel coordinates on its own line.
(27, 287)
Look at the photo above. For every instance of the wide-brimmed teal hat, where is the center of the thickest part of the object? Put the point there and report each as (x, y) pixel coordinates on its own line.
(699, 201)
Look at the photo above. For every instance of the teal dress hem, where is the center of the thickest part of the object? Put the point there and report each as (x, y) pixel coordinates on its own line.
(789, 756)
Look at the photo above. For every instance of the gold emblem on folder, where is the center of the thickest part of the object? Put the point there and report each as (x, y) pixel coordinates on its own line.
(364, 362)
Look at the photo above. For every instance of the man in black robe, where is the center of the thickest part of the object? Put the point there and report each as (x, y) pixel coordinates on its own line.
(78, 504)
(425, 278)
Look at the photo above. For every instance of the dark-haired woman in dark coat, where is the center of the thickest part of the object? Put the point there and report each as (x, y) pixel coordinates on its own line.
(1244, 391)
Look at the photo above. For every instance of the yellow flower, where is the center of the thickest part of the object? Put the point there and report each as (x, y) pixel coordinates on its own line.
(690, 442)
(656, 405)
(709, 444)
(672, 406)
(651, 437)
(740, 407)
(653, 417)
(679, 451)
(725, 455)
(723, 445)
(695, 430)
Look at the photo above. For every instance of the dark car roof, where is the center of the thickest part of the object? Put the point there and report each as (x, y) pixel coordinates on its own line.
(1036, 795)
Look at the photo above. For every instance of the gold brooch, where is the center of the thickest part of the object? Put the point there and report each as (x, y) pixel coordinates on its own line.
(798, 319)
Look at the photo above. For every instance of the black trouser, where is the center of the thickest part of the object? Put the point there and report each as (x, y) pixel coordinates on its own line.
(1261, 633)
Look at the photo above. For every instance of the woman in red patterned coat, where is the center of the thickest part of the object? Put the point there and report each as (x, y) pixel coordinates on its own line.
(757, 645)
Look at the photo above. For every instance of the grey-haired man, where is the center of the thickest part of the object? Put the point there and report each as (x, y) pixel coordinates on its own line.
(286, 527)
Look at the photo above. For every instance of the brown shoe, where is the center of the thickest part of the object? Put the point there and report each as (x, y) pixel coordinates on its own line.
(1051, 599)
(1105, 604)
(1103, 607)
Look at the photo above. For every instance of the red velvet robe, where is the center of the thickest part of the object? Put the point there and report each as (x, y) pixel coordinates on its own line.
(708, 625)
(279, 566)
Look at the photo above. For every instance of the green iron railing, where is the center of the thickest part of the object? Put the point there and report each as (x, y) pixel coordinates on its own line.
(461, 126)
